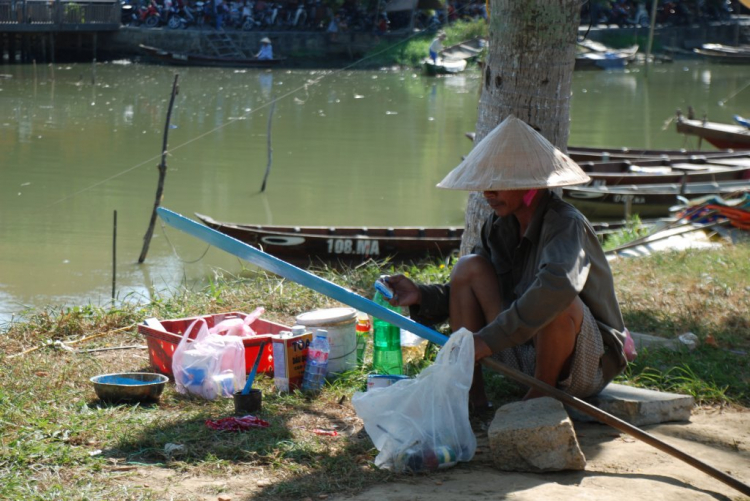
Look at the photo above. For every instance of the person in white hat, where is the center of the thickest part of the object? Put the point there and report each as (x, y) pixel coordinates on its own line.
(436, 46)
(537, 290)
(266, 51)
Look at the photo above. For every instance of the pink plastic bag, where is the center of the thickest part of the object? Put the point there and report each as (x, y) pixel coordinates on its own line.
(209, 366)
(237, 326)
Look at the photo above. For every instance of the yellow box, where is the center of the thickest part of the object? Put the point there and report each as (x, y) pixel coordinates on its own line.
(289, 358)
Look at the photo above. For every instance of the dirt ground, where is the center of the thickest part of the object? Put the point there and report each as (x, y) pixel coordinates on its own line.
(618, 467)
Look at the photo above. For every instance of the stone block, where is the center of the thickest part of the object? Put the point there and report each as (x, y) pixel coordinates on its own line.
(638, 406)
(536, 435)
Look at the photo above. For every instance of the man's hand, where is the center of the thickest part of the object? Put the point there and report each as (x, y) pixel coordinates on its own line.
(405, 292)
(481, 350)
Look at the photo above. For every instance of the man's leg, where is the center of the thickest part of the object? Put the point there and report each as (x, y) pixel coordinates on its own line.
(555, 345)
(474, 302)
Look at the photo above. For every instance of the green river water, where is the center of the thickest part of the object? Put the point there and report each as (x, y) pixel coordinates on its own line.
(79, 142)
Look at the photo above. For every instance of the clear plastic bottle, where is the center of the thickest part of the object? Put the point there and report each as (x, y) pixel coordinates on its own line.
(317, 363)
(363, 333)
(386, 353)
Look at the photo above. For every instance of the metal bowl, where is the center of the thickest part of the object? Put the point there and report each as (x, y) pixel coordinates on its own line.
(129, 386)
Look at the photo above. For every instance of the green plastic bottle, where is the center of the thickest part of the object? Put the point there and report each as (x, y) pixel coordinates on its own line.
(386, 354)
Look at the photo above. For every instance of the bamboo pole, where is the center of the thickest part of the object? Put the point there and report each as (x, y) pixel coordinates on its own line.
(162, 176)
(93, 336)
(616, 423)
(270, 150)
(114, 258)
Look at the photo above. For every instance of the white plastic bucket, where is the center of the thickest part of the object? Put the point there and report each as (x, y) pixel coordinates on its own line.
(342, 335)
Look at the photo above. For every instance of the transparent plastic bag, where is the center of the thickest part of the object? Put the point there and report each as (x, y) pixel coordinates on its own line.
(422, 424)
(209, 366)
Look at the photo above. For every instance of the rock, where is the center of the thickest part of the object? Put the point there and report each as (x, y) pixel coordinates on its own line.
(639, 406)
(535, 435)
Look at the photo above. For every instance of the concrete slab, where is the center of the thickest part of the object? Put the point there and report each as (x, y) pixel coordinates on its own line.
(534, 435)
(638, 406)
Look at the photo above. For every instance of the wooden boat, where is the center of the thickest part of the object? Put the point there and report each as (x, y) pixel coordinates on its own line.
(443, 66)
(188, 59)
(621, 154)
(721, 135)
(725, 54)
(353, 245)
(647, 200)
(466, 50)
(591, 154)
(593, 55)
(348, 244)
(653, 171)
(454, 59)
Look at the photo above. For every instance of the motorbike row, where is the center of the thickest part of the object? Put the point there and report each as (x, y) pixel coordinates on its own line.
(247, 16)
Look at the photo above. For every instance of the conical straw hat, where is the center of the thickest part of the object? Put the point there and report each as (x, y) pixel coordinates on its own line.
(514, 157)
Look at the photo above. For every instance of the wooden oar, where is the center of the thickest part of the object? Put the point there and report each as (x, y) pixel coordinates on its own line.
(307, 279)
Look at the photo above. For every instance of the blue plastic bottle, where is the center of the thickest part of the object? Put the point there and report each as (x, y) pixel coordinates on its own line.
(317, 363)
(386, 343)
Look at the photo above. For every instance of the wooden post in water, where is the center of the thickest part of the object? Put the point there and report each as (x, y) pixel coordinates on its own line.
(650, 36)
(270, 150)
(114, 258)
(162, 175)
(93, 64)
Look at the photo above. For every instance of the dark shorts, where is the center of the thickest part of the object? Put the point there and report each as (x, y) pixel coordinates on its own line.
(585, 377)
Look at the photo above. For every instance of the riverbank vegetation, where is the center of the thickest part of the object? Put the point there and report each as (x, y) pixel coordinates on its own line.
(412, 51)
(59, 442)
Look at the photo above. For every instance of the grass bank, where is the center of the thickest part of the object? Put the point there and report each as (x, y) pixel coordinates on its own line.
(59, 442)
(412, 51)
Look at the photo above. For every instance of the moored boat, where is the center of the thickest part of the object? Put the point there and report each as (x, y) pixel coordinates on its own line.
(454, 59)
(443, 66)
(721, 135)
(726, 54)
(593, 55)
(654, 171)
(623, 153)
(347, 244)
(190, 59)
(352, 245)
(647, 200)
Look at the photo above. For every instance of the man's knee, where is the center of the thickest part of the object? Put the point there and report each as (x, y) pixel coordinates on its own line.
(470, 267)
(569, 321)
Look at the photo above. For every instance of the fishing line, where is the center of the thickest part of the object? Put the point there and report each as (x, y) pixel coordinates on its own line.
(174, 250)
(230, 121)
(724, 101)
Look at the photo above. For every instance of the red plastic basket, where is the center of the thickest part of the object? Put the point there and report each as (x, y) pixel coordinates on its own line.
(163, 343)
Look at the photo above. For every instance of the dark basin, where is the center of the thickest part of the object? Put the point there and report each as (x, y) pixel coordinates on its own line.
(129, 386)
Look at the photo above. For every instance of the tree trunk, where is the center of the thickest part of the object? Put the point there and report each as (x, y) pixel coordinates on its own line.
(528, 73)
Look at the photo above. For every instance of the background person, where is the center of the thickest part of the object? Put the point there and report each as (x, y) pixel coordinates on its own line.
(436, 46)
(266, 50)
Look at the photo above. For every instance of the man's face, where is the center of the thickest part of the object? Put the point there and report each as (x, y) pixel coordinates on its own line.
(505, 202)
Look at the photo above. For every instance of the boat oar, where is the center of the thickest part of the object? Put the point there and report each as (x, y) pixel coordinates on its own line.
(307, 279)
(251, 377)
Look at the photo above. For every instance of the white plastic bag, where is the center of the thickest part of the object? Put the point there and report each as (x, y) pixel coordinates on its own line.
(210, 365)
(423, 424)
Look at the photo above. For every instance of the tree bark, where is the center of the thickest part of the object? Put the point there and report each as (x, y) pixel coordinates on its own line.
(528, 73)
